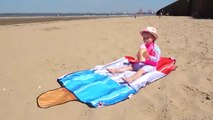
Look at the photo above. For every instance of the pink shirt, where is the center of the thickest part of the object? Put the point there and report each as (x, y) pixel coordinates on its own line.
(154, 53)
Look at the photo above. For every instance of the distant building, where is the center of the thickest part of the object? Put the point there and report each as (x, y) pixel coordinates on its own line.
(194, 8)
(140, 12)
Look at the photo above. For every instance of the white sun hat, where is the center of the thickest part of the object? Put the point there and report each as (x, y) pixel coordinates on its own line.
(150, 30)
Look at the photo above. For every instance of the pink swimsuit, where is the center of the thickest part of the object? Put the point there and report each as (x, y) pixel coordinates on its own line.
(154, 53)
(150, 63)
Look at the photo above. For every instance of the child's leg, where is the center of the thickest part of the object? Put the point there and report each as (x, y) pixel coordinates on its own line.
(135, 76)
(139, 73)
(121, 69)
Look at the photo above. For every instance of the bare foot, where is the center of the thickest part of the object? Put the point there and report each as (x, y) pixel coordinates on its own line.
(111, 70)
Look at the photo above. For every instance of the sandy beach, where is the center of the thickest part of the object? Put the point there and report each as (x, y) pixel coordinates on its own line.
(34, 55)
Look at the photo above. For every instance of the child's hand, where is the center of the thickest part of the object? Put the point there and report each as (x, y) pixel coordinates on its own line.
(139, 55)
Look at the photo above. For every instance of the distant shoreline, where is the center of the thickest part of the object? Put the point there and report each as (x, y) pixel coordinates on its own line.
(20, 18)
(38, 19)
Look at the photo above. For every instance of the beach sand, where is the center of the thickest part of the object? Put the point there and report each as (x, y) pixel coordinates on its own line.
(34, 55)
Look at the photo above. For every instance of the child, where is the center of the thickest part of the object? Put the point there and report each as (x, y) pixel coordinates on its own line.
(148, 56)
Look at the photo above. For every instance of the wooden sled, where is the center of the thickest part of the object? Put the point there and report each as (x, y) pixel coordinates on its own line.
(55, 97)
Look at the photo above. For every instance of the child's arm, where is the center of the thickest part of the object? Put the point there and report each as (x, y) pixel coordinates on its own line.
(154, 58)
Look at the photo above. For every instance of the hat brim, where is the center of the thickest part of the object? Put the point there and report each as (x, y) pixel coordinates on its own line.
(152, 33)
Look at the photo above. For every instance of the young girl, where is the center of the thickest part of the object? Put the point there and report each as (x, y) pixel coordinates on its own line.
(148, 56)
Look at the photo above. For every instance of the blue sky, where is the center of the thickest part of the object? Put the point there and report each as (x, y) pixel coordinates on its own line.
(67, 6)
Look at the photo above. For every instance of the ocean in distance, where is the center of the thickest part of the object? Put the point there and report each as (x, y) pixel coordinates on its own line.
(19, 18)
